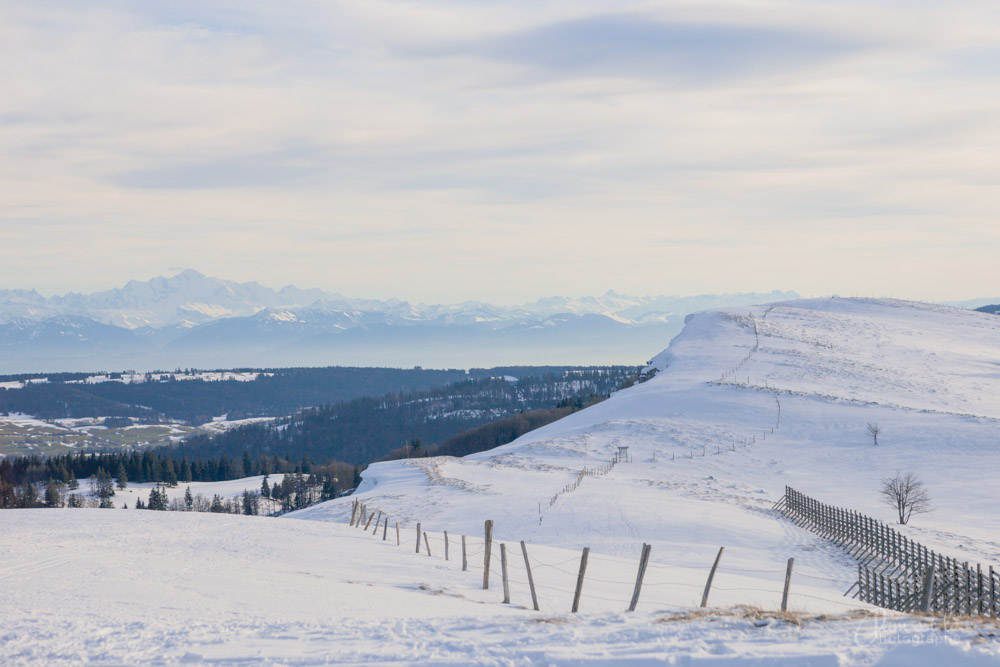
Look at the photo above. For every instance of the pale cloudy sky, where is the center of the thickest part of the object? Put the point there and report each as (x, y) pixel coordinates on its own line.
(503, 151)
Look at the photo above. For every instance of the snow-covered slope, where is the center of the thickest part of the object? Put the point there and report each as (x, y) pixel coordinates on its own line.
(705, 465)
(113, 587)
(705, 468)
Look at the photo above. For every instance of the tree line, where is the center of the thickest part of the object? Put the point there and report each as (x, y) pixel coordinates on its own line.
(274, 393)
(20, 477)
(369, 428)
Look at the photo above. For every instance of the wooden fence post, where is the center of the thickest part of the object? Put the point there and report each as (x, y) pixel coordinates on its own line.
(488, 549)
(465, 560)
(378, 520)
(354, 512)
(427, 543)
(385, 530)
(370, 517)
(446, 545)
(993, 594)
(503, 572)
(711, 575)
(643, 561)
(531, 580)
(925, 603)
(579, 579)
(419, 533)
(398, 540)
(788, 581)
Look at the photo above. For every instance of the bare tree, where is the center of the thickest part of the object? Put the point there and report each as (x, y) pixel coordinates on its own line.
(873, 430)
(905, 493)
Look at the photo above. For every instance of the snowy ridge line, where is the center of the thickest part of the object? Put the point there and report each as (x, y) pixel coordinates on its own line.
(558, 579)
(894, 571)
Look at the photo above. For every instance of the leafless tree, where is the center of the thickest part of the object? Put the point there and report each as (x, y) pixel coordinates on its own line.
(873, 430)
(906, 493)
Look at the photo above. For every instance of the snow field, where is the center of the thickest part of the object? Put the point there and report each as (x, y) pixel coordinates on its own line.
(233, 488)
(108, 588)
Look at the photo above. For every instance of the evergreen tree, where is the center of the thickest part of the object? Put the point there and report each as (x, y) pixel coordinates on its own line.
(188, 499)
(29, 496)
(157, 499)
(52, 497)
(217, 504)
(101, 485)
(251, 505)
(265, 489)
(121, 476)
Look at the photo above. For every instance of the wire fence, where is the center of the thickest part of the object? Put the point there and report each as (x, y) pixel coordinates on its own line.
(533, 578)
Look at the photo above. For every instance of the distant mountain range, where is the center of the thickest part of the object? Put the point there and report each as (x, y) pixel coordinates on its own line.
(192, 320)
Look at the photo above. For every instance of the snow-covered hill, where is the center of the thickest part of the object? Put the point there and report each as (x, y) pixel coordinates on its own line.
(705, 467)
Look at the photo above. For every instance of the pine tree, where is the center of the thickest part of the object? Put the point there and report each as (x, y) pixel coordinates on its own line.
(52, 497)
(265, 489)
(29, 495)
(217, 505)
(188, 499)
(121, 476)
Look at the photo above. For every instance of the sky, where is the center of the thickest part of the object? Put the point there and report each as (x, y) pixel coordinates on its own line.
(503, 151)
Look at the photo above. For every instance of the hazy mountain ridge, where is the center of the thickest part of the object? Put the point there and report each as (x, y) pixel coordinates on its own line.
(190, 319)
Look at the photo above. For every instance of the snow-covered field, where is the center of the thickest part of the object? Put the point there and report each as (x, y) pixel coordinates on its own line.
(233, 488)
(705, 468)
(107, 587)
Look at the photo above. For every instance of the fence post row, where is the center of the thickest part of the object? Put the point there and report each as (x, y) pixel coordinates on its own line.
(895, 572)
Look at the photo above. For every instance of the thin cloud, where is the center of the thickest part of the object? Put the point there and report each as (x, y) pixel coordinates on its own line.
(637, 46)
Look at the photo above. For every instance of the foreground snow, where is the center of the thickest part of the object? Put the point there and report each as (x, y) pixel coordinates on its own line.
(112, 587)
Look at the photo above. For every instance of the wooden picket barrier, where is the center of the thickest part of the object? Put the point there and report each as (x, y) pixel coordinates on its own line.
(894, 571)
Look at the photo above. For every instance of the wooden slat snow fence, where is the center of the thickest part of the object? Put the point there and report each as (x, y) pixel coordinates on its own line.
(894, 571)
